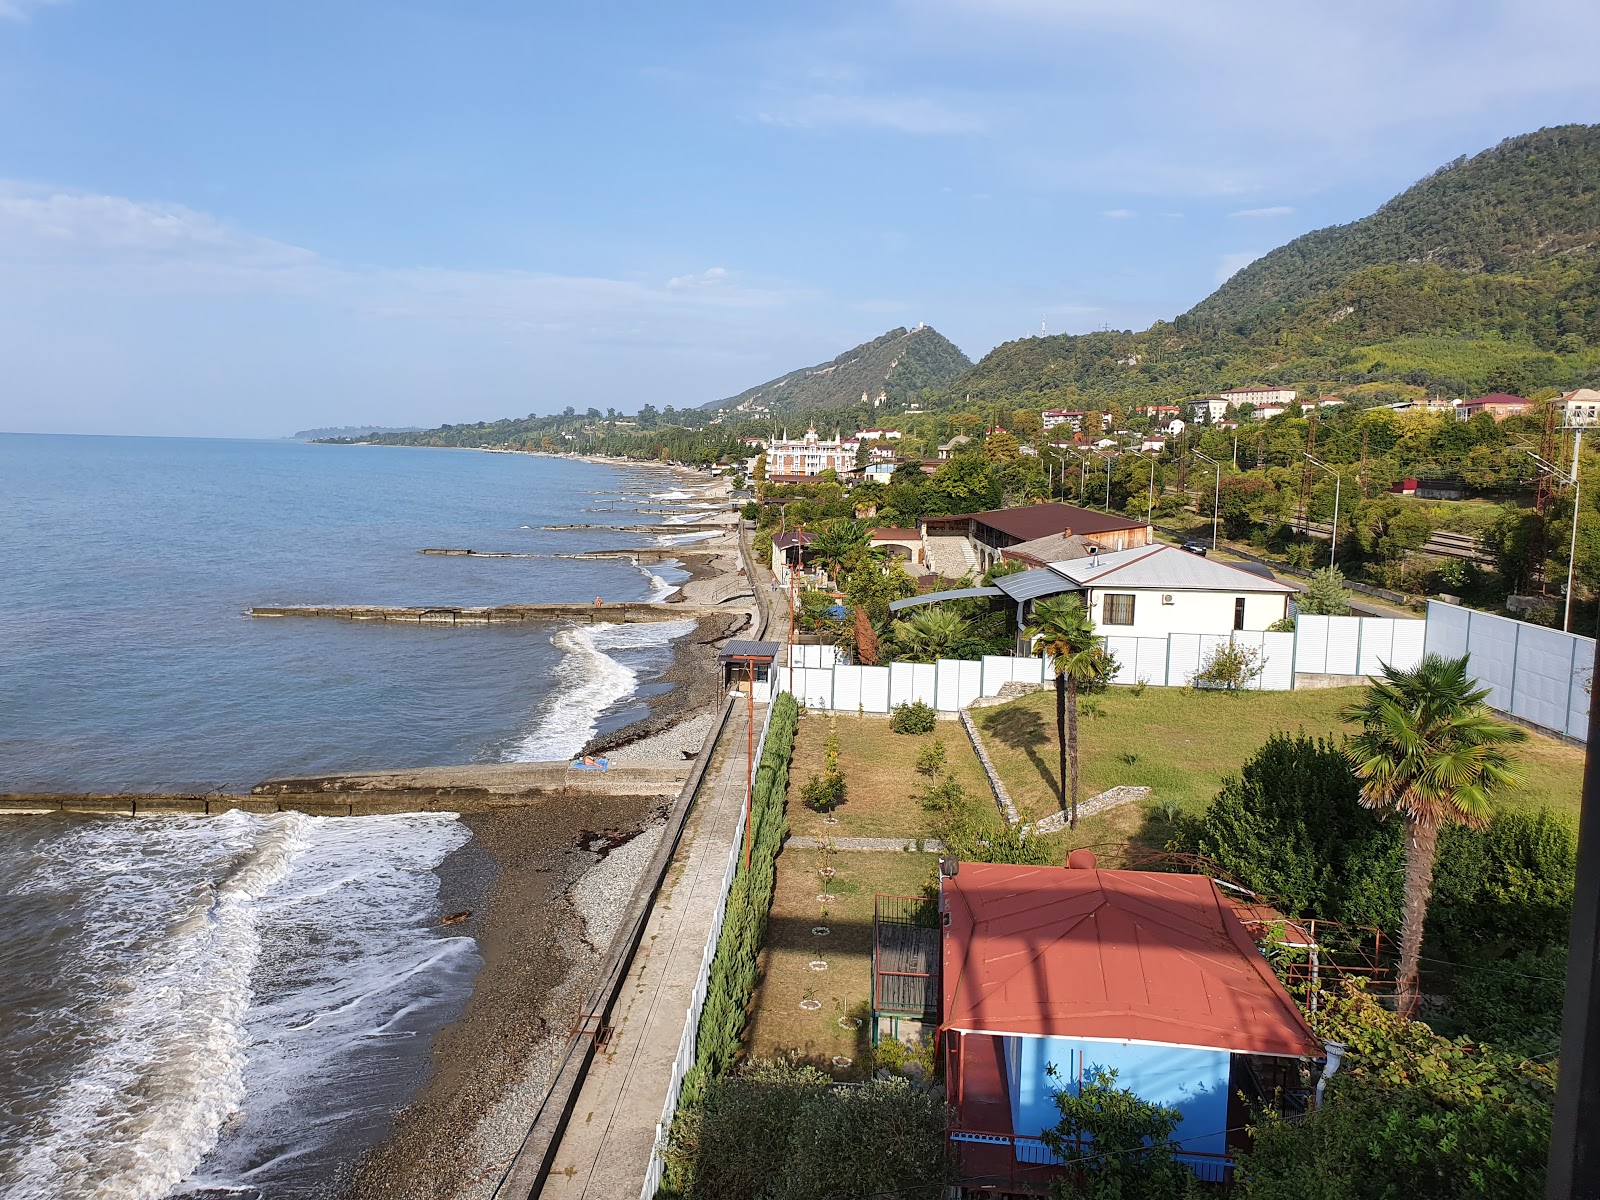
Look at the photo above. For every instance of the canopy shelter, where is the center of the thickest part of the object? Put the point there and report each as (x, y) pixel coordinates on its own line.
(1049, 974)
(744, 661)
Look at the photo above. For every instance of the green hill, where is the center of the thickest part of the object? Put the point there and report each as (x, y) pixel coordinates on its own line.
(902, 363)
(1484, 276)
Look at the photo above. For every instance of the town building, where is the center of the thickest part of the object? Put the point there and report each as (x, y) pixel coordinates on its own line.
(1158, 412)
(1581, 407)
(808, 456)
(987, 534)
(792, 556)
(1265, 412)
(1259, 395)
(1052, 418)
(1498, 405)
(899, 543)
(1047, 975)
(873, 435)
(954, 446)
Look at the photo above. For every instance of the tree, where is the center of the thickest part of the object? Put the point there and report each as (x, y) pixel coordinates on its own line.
(929, 633)
(1001, 447)
(841, 544)
(1429, 751)
(1066, 636)
(1326, 594)
(1116, 1146)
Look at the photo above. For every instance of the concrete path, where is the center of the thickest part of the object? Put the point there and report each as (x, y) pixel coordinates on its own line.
(606, 1148)
(925, 845)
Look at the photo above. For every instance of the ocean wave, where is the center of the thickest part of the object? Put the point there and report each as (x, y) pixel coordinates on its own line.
(588, 682)
(226, 966)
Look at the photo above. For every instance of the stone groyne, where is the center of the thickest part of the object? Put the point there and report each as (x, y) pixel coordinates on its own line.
(624, 612)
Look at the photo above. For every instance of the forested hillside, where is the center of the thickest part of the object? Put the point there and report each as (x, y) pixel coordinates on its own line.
(1484, 276)
(902, 363)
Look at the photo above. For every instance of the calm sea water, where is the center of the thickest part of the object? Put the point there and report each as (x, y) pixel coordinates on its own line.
(242, 1002)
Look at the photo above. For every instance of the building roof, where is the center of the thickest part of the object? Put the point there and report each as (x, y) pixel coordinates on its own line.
(971, 593)
(1581, 396)
(1032, 521)
(1110, 955)
(1031, 585)
(743, 648)
(1056, 547)
(894, 533)
(795, 537)
(1164, 568)
(1493, 398)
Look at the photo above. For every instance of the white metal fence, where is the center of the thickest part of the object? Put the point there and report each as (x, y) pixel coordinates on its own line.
(1322, 645)
(697, 1001)
(1540, 675)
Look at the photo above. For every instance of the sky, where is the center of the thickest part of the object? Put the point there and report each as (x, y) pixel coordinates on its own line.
(249, 218)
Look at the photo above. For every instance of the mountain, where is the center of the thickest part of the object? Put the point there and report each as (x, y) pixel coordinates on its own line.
(1485, 276)
(352, 431)
(902, 363)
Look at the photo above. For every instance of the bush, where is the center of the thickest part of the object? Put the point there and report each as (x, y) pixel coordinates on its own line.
(1116, 1146)
(1326, 595)
(931, 758)
(914, 718)
(945, 796)
(733, 968)
(823, 793)
(1230, 668)
(778, 1131)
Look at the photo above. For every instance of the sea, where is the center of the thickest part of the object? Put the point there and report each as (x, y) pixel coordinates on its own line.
(222, 1005)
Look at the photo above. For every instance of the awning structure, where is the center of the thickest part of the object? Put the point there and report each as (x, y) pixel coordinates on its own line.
(938, 597)
(1034, 585)
(745, 650)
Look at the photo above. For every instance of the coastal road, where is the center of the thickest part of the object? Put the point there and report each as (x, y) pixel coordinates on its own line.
(606, 1148)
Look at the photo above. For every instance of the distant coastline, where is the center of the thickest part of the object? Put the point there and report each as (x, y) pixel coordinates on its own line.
(350, 431)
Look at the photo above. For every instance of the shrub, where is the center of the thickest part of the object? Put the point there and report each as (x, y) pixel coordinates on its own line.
(830, 747)
(780, 1131)
(914, 718)
(1230, 668)
(931, 758)
(1116, 1146)
(947, 795)
(1326, 594)
(823, 793)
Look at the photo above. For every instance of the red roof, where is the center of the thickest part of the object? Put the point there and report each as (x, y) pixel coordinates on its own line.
(893, 533)
(784, 540)
(1113, 955)
(1032, 521)
(1493, 398)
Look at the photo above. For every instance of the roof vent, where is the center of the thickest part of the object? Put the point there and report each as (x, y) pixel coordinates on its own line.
(949, 867)
(1082, 860)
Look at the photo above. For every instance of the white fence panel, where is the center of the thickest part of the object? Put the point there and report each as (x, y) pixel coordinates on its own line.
(1543, 676)
(1027, 670)
(847, 688)
(1279, 651)
(1492, 643)
(1183, 651)
(1409, 637)
(997, 672)
(1582, 676)
(1252, 639)
(1447, 630)
(1150, 661)
(1126, 650)
(947, 686)
(1377, 644)
(911, 682)
(969, 682)
(1311, 645)
(813, 686)
(1344, 645)
(875, 689)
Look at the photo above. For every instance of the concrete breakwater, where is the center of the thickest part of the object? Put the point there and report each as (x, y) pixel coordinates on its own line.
(624, 612)
(639, 554)
(428, 789)
(676, 527)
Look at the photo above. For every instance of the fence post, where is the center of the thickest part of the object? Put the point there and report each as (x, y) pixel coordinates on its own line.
(1516, 652)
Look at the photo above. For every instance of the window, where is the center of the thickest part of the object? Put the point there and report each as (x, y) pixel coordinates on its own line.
(1238, 613)
(1118, 610)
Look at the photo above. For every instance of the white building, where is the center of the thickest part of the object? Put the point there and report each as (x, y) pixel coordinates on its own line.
(810, 455)
(1174, 427)
(1582, 407)
(1155, 590)
(1259, 395)
(873, 435)
(1265, 412)
(1052, 418)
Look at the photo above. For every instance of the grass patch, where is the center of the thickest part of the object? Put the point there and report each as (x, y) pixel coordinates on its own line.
(1182, 743)
(881, 778)
(779, 1027)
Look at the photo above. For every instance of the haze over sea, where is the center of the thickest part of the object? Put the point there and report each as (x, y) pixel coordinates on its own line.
(304, 953)
(128, 665)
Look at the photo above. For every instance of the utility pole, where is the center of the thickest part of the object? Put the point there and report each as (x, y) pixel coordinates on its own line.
(1337, 480)
(1577, 511)
(1150, 502)
(750, 758)
(1216, 495)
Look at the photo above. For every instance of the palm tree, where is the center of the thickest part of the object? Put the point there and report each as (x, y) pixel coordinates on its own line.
(840, 544)
(1428, 750)
(929, 633)
(1066, 636)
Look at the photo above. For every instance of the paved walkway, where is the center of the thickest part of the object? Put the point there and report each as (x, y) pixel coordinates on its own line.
(606, 1148)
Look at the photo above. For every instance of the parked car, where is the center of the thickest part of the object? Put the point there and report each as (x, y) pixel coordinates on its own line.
(1199, 548)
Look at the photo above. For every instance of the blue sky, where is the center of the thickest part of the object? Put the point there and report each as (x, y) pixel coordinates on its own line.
(247, 218)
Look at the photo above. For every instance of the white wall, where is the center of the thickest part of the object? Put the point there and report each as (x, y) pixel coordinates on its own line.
(1189, 612)
(1540, 675)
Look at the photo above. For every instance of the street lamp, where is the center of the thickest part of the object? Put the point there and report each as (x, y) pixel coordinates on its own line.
(1317, 462)
(1216, 495)
(1150, 503)
(1108, 483)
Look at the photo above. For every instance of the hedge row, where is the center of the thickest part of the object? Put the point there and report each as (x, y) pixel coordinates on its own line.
(733, 971)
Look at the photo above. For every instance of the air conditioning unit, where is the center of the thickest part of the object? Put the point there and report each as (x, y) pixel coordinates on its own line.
(1167, 598)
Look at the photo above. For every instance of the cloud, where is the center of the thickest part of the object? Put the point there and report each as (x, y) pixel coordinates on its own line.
(898, 114)
(1118, 214)
(20, 10)
(1276, 210)
(1231, 264)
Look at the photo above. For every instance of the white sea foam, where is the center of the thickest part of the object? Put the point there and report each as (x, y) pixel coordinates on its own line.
(196, 933)
(588, 681)
(672, 495)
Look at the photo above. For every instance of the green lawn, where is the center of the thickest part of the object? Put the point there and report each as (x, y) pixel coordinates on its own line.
(1183, 743)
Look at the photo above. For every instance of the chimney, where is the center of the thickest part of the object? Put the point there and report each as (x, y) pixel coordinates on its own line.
(1082, 860)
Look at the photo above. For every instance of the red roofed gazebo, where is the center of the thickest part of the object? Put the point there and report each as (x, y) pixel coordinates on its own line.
(1076, 969)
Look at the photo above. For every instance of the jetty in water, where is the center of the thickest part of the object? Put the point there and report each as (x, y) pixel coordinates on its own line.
(625, 612)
